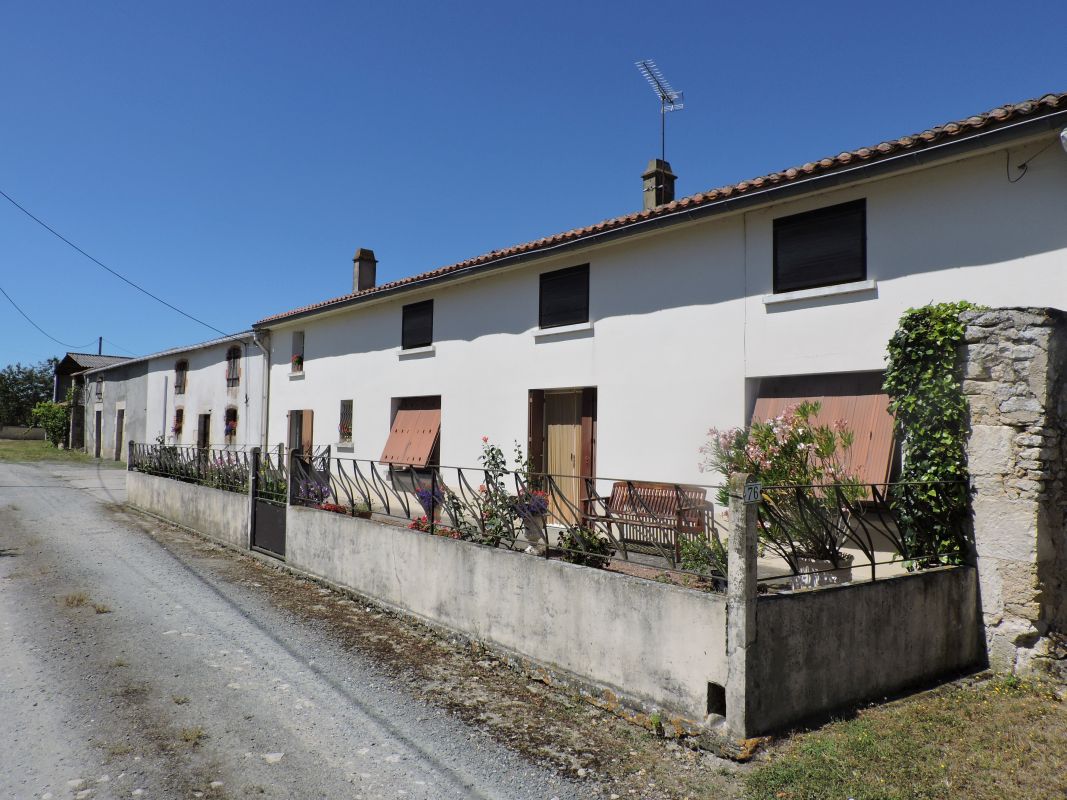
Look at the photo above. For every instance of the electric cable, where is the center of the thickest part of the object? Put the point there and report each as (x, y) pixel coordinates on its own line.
(38, 327)
(99, 263)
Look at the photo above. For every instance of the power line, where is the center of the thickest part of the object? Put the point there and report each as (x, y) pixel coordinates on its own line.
(38, 327)
(99, 263)
(120, 347)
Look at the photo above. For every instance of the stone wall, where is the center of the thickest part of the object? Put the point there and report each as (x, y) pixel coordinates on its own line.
(1015, 377)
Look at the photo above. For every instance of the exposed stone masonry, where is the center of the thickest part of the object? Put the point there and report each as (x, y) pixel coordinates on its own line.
(1015, 378)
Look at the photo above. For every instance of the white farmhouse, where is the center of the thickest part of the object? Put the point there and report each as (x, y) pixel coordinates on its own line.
(206, 394)
(611, 349)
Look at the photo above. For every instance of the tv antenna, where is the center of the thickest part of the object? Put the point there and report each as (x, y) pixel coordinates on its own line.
(669, 99)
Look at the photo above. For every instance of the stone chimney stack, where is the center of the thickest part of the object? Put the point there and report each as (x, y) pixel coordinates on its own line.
(658, 183)
(364, 267)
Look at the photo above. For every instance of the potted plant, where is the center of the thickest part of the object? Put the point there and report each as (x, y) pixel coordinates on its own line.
(344, 431)
(297, 362)
(531, 506)
(807, 489)
(361, 509)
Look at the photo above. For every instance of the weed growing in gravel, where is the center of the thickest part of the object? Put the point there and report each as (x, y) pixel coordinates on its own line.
(76, 600)
(101, 608)
(118, 662)
(192, 735)
(180, 699)
(117, 750)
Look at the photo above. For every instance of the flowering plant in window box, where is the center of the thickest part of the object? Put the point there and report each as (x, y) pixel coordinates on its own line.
(344, 430)
(297, 363)
(230, 428)
(334, 507)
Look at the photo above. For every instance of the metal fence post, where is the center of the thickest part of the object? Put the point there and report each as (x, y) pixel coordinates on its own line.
(253, 488)
(129, 456)
(740, 606)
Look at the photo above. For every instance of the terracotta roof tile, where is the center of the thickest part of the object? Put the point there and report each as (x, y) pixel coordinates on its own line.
(1047, 104)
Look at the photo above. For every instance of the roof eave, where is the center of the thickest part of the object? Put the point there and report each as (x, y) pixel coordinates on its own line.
(897, 162)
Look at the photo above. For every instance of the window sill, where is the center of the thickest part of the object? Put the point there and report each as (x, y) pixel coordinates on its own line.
(563, 331)
(822, 291)
(344, 447)
(416, 352)
(296, 376)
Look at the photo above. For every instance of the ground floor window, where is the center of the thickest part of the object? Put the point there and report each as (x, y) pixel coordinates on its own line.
(229, 430)
(415, 435)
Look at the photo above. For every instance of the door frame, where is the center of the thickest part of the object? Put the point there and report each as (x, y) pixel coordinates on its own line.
(536, 445)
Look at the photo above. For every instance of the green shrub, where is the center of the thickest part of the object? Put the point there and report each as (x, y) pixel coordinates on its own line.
(583, 546)
(54, 418)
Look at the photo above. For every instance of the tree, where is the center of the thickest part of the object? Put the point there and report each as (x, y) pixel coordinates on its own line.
(22, 388)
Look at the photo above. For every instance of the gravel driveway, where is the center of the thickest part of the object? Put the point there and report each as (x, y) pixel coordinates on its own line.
(130, 669)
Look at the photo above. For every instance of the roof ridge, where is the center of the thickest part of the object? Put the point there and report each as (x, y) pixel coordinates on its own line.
(995, 116)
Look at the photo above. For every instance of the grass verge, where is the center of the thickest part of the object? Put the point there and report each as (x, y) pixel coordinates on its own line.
(21, 450)
(1002, 739)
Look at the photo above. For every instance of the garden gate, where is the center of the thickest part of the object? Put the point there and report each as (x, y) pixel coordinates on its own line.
(270, 496)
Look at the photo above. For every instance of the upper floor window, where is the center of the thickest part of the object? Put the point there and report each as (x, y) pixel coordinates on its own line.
(181, 370)
(233, 366)
(821, 247)
(296, 361)
(564, 297)
(99, 388)
(418, 325)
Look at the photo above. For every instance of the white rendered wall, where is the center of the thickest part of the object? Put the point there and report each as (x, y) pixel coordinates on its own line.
(206, 393)
(679, 321)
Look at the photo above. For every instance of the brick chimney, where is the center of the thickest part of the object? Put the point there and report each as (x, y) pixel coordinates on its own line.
(658, 183)
(364, 267)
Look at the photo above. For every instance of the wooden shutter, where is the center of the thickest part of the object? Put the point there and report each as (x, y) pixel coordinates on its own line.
(564, 297)
(856, 399)
(588, 465)
(821, 247)
(306, 430)
(535, 437)
(413, 436)
(417, 325)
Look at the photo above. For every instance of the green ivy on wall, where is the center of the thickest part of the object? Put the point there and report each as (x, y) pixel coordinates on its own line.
(933, 500)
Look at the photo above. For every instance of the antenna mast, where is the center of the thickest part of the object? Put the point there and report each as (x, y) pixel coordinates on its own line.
(669, 99)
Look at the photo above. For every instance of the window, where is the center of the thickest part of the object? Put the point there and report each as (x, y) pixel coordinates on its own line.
(821, 247)
(233, 367)
(229, 429)
(416, 430)
(857, 398)
(418, 325)
(564, 297)
(344, 427)
(179, 420)
(181, 370)
(99, 388)
(296, 361)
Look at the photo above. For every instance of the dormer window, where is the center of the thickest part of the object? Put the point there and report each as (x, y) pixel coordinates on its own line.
(181, 370)
(233, 367)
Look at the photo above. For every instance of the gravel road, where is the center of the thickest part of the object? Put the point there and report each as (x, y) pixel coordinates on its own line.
(129, 669)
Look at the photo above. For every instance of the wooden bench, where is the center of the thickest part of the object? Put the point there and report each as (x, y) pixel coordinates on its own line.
(651, 518)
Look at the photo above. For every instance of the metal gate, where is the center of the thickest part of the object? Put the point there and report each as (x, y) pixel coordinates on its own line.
(270, 496)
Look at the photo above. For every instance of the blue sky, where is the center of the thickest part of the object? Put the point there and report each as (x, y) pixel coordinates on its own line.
(232, 156)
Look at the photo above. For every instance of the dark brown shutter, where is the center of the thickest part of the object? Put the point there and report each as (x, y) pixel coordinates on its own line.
(821, 247)
(417, 325)
(535, 437)
(564, 297)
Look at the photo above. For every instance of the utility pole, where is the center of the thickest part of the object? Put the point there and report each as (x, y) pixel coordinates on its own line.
(100, 346)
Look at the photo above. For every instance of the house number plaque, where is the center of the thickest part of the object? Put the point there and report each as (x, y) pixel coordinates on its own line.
(752, 493)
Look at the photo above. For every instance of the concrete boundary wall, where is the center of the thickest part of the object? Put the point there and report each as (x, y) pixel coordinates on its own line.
(215, 513)
(20, 432)
(818, 651)
(648, 645)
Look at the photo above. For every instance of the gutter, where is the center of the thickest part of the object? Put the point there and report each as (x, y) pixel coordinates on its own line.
(778, 193)
(264, 382)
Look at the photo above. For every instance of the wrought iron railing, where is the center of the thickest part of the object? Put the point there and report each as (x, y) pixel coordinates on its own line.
(227, 468)
(594, 517)
(840, 532)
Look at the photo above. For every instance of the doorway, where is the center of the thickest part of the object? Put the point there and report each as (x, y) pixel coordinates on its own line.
(203, 431)
(97, 432)
(120, 419)
(301, 430)
(562, 444)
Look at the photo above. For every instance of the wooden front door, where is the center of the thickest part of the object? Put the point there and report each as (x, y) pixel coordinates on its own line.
(301, 430)
(563, 452)
(120, 419)
(203, 430)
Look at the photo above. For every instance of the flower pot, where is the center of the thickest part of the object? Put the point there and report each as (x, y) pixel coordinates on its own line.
(816, 572)
(535, 528)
